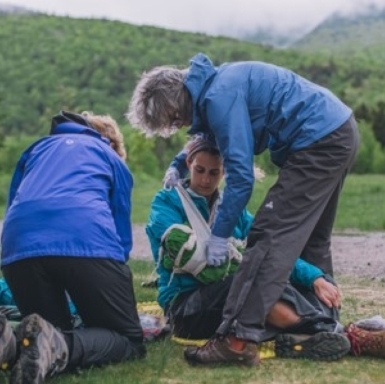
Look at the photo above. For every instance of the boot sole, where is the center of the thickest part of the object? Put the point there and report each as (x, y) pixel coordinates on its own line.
(27, 369)
(8, 353)
(326, 346)
(3, 323)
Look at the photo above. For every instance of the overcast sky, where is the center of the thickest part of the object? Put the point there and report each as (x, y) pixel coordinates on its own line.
(208, 16)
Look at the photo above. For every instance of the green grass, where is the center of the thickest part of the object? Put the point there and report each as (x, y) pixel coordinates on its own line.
(142, 194)
(165, 363)
(361, 207)
(362, 203)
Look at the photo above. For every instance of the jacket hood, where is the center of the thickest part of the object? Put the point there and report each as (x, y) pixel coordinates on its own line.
(197, 80)
(201, 70)
(70, 127)
(68, 117)
(68, 122)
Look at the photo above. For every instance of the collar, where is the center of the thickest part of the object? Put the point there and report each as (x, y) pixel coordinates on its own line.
(68, 128)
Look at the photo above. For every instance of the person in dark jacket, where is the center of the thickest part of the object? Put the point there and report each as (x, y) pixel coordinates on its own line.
(248, 107)
(67, 229)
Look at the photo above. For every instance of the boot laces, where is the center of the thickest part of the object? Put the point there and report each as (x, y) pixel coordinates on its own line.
(212, 343)
(211, 347)
(362, 340)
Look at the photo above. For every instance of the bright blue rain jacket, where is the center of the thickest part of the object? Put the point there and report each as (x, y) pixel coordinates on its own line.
(70, 196)
(252, 106)
(167, 209)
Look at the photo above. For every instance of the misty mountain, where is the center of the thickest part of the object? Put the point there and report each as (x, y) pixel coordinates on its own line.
(270, 36)
(6, 9)
(344, 34)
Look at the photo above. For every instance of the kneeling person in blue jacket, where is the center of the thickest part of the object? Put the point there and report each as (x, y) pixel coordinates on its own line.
(67, 229)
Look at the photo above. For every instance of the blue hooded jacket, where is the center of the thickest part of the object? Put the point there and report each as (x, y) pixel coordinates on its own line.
(166, 210)
(249, 107)
(70, 195)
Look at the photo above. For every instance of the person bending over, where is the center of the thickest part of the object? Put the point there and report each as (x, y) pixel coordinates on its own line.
(312, 137)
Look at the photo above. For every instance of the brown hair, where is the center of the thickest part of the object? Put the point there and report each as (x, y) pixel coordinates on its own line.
(108, 128)
(200, 143)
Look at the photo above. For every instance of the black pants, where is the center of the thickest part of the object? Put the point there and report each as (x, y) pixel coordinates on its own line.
(197, 314)
(103, 294)
(296, 218)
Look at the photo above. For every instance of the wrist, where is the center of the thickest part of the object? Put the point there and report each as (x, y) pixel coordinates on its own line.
(172, 171)
(319, 281)
(218, 239)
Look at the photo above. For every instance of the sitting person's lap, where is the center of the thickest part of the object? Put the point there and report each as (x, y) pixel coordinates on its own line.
(197, 314)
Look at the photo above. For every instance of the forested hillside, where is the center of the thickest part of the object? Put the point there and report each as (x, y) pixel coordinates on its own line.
(348, 34)
(50, 63)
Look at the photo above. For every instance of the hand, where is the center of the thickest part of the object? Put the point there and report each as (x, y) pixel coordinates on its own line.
(217, 250)
(259, 174)
(171, 178)
(327, 292)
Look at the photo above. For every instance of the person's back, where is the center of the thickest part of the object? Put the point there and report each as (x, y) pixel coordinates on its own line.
(67, 182)
(67, 231)
(299, 112)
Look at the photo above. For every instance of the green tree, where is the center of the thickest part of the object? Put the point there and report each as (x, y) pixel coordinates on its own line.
(370, 157)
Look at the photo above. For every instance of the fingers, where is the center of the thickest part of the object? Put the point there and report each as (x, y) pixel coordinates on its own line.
(338, 300)
(327, 302)
(215, 262)
(334, 296)
(328, 293)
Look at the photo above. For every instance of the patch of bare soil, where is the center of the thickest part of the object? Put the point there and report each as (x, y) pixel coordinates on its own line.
(359, 254)
(354, 253)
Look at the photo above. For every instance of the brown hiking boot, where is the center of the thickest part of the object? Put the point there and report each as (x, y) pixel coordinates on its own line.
(7, 344)
(219, 351)
(43, 351)
(364, 342)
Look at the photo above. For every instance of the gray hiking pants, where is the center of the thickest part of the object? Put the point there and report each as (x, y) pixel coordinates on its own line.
(295, 219)
(198, 313)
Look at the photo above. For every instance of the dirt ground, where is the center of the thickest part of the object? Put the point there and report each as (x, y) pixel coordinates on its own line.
(354, 253)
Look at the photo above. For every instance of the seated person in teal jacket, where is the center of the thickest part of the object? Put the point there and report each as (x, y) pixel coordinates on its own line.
(6, 297)
(309, 304)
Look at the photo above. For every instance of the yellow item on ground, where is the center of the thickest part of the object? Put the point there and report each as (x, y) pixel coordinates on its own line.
(266, 349)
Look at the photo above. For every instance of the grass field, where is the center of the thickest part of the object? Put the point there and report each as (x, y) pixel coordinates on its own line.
(362, 207)
(362, 202)
(165, 364)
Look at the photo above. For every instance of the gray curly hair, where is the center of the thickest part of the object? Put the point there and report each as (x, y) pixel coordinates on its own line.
(160, 98)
